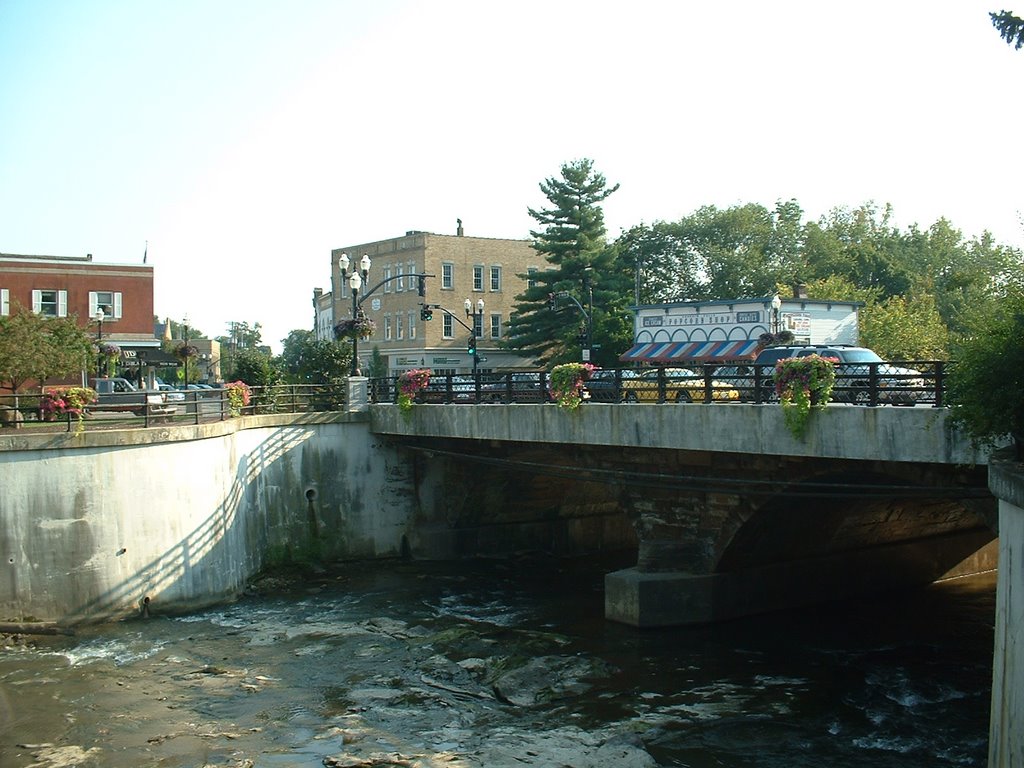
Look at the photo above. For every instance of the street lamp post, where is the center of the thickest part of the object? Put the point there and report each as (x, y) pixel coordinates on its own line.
(475, 330)
(100, 359)
(776, 313)
(589, 284)
(185, 351)
(355, 282)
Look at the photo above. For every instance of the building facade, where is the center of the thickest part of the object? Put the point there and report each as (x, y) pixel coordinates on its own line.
(113, 301)
(456, 268)
(323, 315)
(723, 331)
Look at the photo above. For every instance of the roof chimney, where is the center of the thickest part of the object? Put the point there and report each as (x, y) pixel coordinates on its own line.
(458, 231)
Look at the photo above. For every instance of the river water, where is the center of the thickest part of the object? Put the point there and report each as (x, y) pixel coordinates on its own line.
(504, 664)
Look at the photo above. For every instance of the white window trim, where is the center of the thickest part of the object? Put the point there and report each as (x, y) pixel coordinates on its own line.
(94, 303)
(62, 302)
(495, 329)
(412, 325)
(447, 276)
(495, 270)
(478, 277)
(387, 327)
(387, 279)
(447, 326)
(5, 302)
(399, 278)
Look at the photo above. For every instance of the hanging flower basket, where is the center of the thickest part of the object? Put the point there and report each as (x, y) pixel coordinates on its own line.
(361, 327)
(780, 339)
(803, 383)
(239, 395)
(61, 401)
(410, 383)
(566, 383)
(186, 351)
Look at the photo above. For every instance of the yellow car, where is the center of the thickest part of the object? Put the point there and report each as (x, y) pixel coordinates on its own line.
(681, 385)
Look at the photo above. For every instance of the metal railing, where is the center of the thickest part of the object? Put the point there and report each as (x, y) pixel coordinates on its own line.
(149, 409)
(871, 384)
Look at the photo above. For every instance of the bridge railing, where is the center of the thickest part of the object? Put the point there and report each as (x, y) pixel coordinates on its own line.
(24, 410)
(871, 384)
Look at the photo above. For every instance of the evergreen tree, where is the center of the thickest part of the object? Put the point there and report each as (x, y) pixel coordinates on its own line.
(572, 241)
(1011, 28)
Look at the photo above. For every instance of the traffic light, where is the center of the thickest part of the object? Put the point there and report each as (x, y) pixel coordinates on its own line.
(422, 285)
(551, 302)
(426, 313)
(472, 345)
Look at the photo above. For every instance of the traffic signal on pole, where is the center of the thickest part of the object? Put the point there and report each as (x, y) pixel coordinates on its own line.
(472, 345)
(426, 313)
(422, 285)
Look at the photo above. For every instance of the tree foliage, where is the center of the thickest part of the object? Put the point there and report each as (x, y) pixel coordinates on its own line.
(572, 241)
(305, 359)
(34, 348)
(986, 386)
(256, 368)
(1011, 28)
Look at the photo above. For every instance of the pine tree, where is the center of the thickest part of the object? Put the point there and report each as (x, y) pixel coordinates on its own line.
(1011, 28)
(573, 242)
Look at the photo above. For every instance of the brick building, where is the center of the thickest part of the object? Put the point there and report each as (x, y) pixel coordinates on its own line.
(460, 268)
(114, 301)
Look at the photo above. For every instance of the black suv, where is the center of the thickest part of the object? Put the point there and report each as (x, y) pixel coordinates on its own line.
(859, 373)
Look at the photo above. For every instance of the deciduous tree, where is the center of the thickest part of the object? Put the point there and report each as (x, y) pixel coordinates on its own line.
(34, 348)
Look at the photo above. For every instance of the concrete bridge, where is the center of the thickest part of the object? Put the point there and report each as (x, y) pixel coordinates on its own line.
(729, 513)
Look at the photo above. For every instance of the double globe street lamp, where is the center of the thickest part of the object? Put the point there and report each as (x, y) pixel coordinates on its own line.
(475, 329)
(355, 282)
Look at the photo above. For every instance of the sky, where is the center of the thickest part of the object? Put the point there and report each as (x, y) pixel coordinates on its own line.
(235, 143)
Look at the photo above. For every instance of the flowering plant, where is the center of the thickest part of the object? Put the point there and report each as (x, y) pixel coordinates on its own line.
(185, 351)
(238, 394)
(409, 384)
(360, 327)
(780, 339)
(67, 400)
(802, 383)
(567, 383)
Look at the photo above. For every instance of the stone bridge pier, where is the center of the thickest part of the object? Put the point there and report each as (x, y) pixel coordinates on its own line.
(754, 534)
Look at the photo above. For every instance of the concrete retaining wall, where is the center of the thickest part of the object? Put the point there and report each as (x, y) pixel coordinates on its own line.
(1006, 736)
(92, 526)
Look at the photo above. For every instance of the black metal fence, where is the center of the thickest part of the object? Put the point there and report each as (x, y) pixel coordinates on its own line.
(872, 384)
(147, 409)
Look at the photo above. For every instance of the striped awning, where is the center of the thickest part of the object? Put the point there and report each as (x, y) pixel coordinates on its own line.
(669, 352)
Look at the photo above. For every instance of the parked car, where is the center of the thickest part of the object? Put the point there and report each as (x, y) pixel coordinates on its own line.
(171, 395)
(516, 387)
(462, 390)
(601, 386)
(854, 370)
(682, 385)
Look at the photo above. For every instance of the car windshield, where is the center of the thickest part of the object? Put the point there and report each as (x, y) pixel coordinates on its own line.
(859, 356)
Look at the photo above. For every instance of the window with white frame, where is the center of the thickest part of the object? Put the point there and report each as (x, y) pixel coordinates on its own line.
(50, 303)
(495, 278)
(5, 302)
(531, 281)
(446, 326)
(447, 275)
(400, 279)
(387, 327)
(495, 326)
(386, 276)
(399, 327)
(412, 325)
(108, 301)
(478, 277)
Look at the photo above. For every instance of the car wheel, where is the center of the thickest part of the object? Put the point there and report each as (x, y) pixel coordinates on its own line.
(859, 396)
(682, 396)
(629, 397)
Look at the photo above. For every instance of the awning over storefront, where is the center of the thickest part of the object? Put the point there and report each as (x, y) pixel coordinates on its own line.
(136, 357)
(681, 352)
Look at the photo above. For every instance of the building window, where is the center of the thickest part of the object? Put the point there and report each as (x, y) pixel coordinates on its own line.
(387, 327)
(400, 278)
(478, 278)
(5, 302)
(399, 328)
(50, 303)
(387, 279)
(495, 278)
(412, 325)
(447, 276)
(446, 326)
(108, 301)
(531, 280)
(478, 323)
(496, 326)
